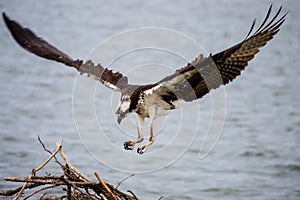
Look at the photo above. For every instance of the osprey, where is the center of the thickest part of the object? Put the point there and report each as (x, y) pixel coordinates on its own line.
(152, 100)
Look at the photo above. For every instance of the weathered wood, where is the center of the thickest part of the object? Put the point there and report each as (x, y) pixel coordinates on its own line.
(72, 181)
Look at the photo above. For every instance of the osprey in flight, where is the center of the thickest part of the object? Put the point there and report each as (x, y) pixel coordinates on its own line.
(152, 100)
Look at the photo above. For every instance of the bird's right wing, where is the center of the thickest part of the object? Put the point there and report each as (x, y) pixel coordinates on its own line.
(38, 46)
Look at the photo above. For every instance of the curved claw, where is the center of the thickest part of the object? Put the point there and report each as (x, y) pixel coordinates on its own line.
(142, 149)
(129, 145)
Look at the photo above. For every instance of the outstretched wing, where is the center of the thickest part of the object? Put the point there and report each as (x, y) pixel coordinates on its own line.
(36, 45)
(203, 74)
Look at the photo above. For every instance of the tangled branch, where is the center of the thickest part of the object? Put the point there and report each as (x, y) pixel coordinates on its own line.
(74, 184)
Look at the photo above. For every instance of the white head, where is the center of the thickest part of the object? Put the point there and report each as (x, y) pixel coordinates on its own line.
(123, 109)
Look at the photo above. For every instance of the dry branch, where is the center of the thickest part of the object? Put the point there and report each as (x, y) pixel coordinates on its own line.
(72, 182)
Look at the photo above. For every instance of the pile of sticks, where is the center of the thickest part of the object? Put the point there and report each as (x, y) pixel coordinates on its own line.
(73, 183)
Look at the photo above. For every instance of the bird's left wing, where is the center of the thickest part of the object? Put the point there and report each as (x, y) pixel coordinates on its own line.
(38, 46)
(203, 74)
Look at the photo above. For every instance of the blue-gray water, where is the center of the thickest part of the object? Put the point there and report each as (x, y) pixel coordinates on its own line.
(257, 155)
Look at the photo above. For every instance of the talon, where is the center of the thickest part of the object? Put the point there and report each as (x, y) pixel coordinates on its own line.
(129, 145)
(141, 149)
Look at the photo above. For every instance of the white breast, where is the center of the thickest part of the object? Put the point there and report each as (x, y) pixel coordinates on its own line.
(146, 102)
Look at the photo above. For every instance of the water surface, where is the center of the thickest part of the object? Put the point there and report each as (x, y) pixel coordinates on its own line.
(257, 156)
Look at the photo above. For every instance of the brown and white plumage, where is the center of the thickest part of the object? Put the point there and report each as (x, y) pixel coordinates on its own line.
(188, 83)
(37, 45)
(204, 74)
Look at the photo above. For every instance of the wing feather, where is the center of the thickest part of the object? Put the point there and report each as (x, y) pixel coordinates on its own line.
(203, 74)
(38, 46)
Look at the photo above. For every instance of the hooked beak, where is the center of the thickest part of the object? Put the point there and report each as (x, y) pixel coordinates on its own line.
(119, 120)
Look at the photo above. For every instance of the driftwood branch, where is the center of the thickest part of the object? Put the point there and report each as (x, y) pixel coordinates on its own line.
(112, 196)
(38, 168)
(70, 166)
(72, 181)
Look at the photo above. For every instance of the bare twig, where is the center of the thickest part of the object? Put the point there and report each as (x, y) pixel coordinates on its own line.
(120, 182)
(38, 168)
(42, 189)
(49, 180)
(59, 147)
(47, 150)
(73, 182)
(63, 155)
(43, 145)
(113, 197)
(17, 189)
